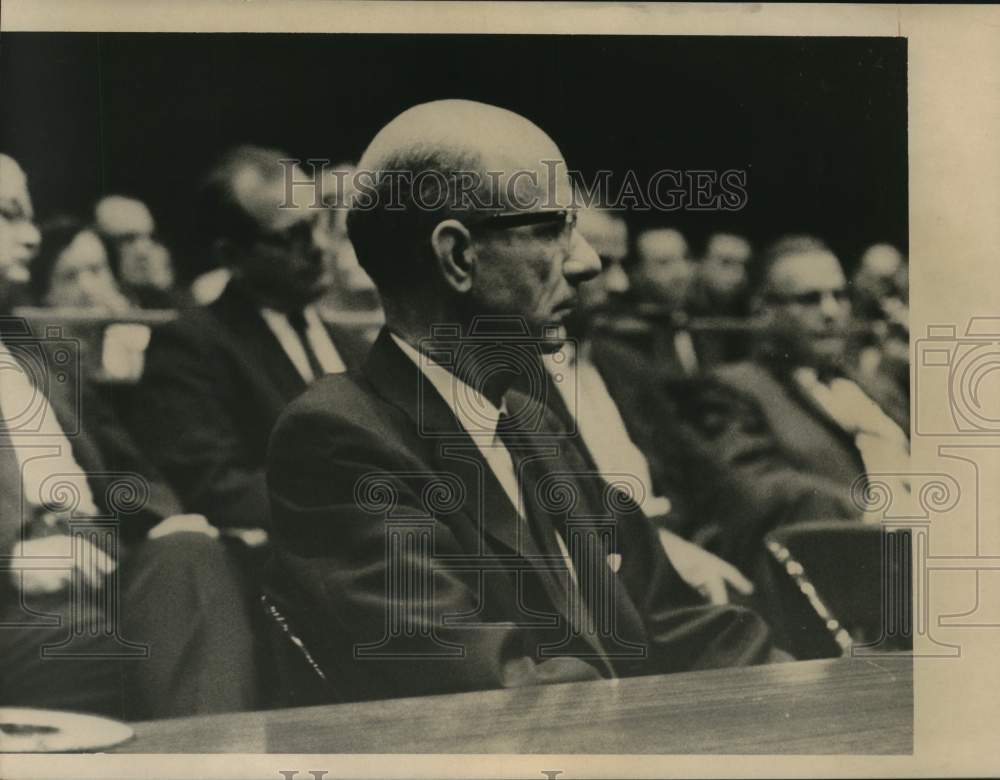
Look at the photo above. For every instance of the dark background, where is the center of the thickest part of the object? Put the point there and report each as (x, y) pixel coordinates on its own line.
(819, 124)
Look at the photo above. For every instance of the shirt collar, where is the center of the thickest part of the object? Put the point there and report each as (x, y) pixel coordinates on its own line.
(474, 411)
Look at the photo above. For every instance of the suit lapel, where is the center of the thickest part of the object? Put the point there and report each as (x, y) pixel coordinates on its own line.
(259, 347)
(400, 382)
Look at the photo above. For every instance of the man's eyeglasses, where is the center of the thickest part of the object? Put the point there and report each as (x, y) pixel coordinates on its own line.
(503, 220)
(811, 298)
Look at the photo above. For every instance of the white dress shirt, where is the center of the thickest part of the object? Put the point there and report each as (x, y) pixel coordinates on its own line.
(884, 448)
(479, 417)
(40, 445)
(600, 423)
(319, 340)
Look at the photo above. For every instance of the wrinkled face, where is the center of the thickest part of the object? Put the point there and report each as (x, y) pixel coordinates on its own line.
(18, 235)
(663, 270)
(807, 302)
(283, 257)
(724, 268)
(82, 277)
(533, 271)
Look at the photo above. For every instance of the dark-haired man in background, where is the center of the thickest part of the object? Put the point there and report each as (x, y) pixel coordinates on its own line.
(217, 378)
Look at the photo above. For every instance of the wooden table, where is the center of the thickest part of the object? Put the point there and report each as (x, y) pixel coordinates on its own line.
(829, 706)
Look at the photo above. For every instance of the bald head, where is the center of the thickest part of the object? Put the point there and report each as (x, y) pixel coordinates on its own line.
(463, 135)
(448, 159)
(118, 217)
(881, 261)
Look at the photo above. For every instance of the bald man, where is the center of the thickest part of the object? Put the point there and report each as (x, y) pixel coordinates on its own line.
(141, 263)
(422, 544)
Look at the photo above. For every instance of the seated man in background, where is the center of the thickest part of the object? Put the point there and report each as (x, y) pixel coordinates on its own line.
(141, 263)
(793, 415)
(178, 590)
(71, 270)
(719, 290)
(660, 273)
(351, 293)
(880, 353)
(582, 371)
(217, 377)
(632, 413)
(499, 599)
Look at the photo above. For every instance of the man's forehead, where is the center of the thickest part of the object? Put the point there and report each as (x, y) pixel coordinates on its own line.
(730, 246)
(607, 234)
(657, 244)
(13, 181)
(266, 200)
(124, 214)
(812, 270)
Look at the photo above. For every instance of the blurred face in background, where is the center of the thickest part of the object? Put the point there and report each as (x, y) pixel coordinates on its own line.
(19, 236)
(350, 287)
(282, 259)
(663, 271)
(82, 278)
(608, 235)
(806, 303)
(723, 270)
(142, 260)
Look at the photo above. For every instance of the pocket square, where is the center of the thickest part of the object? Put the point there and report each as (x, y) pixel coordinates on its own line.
(615, 561)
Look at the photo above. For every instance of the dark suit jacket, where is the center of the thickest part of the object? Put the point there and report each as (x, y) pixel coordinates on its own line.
(364, 460)
(710, 452)
(215, 381)
(784, 459)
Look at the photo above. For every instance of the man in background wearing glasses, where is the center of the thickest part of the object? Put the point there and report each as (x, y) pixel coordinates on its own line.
(794, 415)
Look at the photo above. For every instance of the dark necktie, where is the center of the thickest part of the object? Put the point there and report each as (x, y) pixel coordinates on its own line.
(534, 459)
(297, 320)
(529, 467)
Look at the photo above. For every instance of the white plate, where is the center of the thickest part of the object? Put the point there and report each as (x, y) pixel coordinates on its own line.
(24, 730)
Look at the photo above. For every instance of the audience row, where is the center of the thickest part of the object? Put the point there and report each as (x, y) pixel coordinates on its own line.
(719, 398)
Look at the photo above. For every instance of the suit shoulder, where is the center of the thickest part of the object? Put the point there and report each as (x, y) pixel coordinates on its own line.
(345, 399)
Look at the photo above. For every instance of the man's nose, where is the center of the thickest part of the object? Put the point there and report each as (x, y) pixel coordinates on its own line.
(583, 262)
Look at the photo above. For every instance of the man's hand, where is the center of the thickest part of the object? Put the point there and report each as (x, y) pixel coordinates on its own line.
(92, 563)
(183, 524)
(703, 571)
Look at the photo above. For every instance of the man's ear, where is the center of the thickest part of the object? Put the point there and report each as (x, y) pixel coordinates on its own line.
(451, 244)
